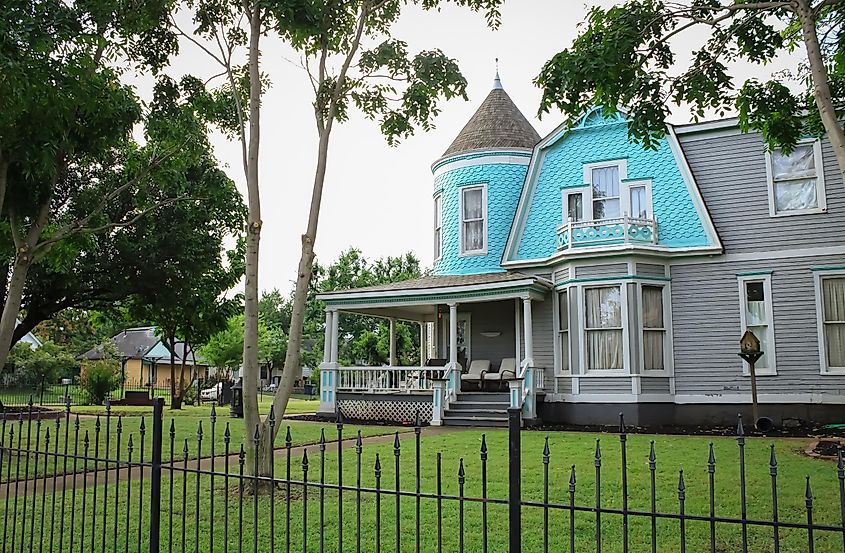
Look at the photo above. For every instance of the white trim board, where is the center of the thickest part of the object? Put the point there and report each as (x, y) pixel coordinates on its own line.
(502, 159)
(697, 399)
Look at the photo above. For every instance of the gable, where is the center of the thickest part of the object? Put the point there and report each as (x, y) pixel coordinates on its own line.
(559, 165)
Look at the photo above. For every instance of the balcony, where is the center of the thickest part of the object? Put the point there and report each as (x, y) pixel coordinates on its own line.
(604, 232)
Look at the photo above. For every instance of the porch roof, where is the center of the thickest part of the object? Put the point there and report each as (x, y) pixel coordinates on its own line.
(417, 299)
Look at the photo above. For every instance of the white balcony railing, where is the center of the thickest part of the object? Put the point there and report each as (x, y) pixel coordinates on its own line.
(388, 380)
(619, 230)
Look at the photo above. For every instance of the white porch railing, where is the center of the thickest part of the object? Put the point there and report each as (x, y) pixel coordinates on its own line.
(523, 389)
(388, 380)
(619, 230)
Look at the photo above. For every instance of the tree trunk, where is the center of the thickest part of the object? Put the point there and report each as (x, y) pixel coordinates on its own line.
(175, 398)
(300, 295)
(12, 306)
(821, 85)
(252, 418)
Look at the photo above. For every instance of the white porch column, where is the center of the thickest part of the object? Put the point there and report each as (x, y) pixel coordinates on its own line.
(328, 368)
(453, 333)
(423, 345)
(529, 384)
(392, 339)
(335, 321)
(327, 340)
(454, 385)
(528, 330)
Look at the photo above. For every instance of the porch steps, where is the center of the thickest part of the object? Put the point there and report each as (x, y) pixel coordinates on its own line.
(478, 409)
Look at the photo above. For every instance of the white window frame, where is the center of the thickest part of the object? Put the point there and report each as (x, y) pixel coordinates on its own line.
(668, 357)
(484, 219)
(559, 370)
(625, 186)
(818, 276)
(766, 279)
(438, 218)
(586, 199)
(626, 200)
(821, 198)
(582, 330)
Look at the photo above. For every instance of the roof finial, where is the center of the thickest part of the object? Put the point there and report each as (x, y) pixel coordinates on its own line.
(497, 82)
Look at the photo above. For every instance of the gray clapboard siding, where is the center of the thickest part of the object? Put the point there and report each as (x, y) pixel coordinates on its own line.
(606, 385)
(731, 174)
(706, 326)
(654, 385)
(609, 269)
(651, 269)
(491, 316)
(544, 356)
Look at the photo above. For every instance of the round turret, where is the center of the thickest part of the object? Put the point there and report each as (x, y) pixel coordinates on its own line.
(477, 184)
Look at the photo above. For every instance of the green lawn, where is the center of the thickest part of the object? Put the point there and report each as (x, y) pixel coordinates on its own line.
(673, 452)
(185, 423)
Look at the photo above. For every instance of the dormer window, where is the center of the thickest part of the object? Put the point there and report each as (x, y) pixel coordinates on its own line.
(796, 180)
(605, 188)
(474, 220)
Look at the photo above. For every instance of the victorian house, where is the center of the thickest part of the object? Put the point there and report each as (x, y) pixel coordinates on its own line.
(579, 275)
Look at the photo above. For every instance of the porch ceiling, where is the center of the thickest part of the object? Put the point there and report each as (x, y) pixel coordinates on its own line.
(417, 299)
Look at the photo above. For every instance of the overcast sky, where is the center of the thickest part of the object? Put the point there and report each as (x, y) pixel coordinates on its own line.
(378, 198)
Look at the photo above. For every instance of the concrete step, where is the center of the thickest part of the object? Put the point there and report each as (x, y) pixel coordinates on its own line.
(498, 397)
(478, 406)
(476, 421)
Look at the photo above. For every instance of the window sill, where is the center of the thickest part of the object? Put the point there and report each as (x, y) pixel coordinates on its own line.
(835, 371)
(797, 212)
(599, 373)
(473, 253)
(761, 373)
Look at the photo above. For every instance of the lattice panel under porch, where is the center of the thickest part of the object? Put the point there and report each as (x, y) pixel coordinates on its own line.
(381, 410)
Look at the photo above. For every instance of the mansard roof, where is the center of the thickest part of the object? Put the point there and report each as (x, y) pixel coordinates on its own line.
(497, 123)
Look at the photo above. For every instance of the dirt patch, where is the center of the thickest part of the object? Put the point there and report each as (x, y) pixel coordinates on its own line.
(825, 449)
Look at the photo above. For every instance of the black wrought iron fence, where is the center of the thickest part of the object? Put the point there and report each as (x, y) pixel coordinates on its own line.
(118, 483)
(58, 394)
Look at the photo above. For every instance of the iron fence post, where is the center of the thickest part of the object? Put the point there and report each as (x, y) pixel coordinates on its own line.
(155, 476)
(515, 480)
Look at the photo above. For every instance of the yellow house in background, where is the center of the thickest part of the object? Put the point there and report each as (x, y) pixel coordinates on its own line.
(145, 358)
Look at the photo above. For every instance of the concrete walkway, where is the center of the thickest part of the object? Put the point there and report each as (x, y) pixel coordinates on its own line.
(69, 481)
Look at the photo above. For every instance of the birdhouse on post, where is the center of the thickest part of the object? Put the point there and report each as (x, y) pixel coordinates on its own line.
(749, 343)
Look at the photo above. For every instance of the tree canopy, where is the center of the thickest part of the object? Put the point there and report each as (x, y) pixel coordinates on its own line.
(626, 56)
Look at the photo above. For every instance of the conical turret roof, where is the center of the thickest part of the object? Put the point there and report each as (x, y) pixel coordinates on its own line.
(497, 123)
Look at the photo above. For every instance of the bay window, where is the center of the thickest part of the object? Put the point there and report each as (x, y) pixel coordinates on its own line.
(832, 321)
(654, 328)
(474, 220)
(796, 180)
(603, 328)
(563, 330)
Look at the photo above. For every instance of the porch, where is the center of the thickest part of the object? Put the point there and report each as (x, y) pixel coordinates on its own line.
(476, 334)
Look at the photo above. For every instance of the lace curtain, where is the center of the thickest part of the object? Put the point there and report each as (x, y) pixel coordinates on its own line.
(653, 329)
(604, 328)
(606, 193)
(833, 290)
(795, 179)
(473, 217)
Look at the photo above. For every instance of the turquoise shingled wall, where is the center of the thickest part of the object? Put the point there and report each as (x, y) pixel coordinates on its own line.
(678, 221)
(504, 184)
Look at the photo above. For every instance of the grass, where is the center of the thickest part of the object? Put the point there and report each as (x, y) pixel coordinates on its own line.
(185, 425)
(193, 495)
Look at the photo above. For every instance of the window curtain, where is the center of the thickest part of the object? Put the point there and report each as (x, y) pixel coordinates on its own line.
(653, 329)
(604, 328)
(639, 209)
(756, 320)
(473, 219)
(575, 207)
(795, 179)
(833, 290)
(563, 317)
(606, 193)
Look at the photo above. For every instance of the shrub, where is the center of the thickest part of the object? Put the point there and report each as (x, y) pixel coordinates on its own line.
(48, 364)
(99, 378)
(191, 396)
